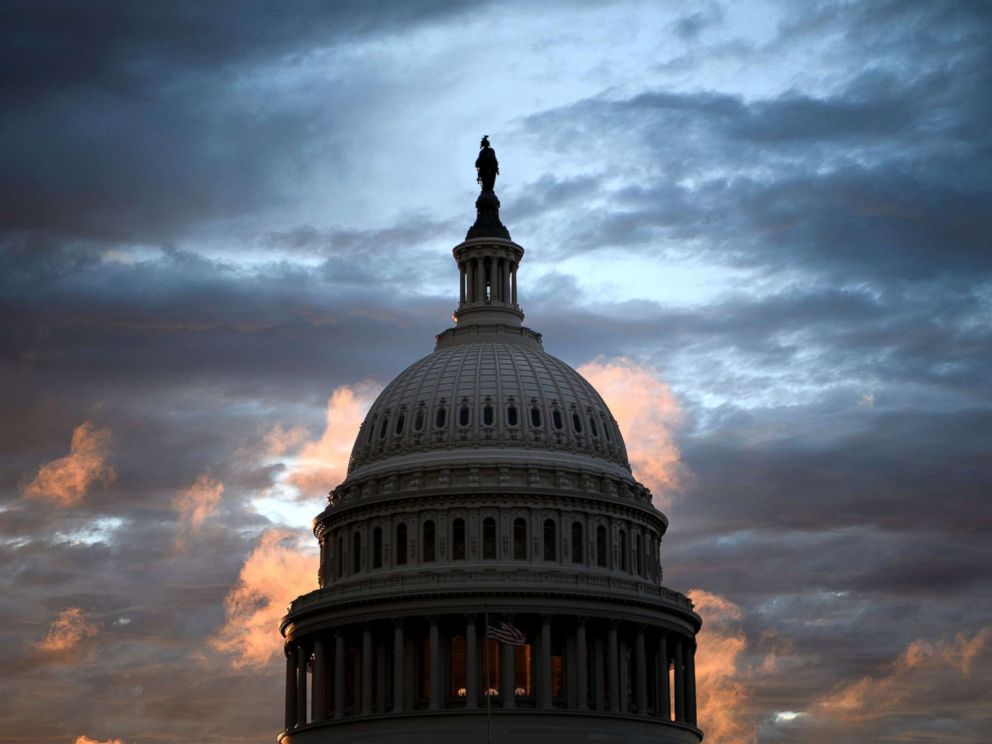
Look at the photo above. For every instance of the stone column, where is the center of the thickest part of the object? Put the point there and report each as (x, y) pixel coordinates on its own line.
(339, 658)
(514, 282)
(582, 666)
(435, 662)
(399, 649)
(471, 664)
(664, 691)
(291, 663)
(507, 685)
(613, 668)
(302, 661)
(461, 282)
(679, 683)
(600, 681)
(480, 280)
(690, 684)
(318, 704)
(544, 665)
(366, 670)
(641, 672)
(506, 281)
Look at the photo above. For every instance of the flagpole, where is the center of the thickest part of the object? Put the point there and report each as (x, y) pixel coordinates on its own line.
(489, 687)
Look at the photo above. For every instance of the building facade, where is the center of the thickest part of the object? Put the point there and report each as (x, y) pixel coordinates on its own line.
(489, 484)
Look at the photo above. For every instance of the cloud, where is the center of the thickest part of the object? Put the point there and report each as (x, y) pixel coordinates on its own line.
(723, 700)
(925, 676)
(322, 464)
(88, 740)
(66, 633)
(195, 504)
(275, 573)
(647, 413)
(67, 479)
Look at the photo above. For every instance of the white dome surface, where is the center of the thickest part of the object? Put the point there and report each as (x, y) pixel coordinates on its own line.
(488, 394)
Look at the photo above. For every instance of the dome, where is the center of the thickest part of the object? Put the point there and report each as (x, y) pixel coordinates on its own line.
(501, 395)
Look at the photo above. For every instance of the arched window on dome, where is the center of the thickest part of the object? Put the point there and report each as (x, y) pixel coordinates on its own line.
(489, 539)
(601, 554)
(577, 544)
(550, 540)
(370, 434)
(429, 540)
(593, 429)
(606, 431)
(622, 548)
(383, 426)
(400, 420)
(487, 415)
(377, 547)
(400, 549)
(535, 417)
(418, 420)
(464, 415)
(356, 552)
(576, 422)
(511, 415)
(441, 417)
(458, 540)
(339, 558)
(520, 539)
(557, 420)
(638, 555)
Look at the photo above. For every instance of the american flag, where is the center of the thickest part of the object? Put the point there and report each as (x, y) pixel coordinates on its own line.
(506, 633)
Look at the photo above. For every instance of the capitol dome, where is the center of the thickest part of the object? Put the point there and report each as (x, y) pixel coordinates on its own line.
(500, 398)
(489, 568)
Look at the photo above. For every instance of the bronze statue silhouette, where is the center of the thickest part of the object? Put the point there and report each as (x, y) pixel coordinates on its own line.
(486, 165)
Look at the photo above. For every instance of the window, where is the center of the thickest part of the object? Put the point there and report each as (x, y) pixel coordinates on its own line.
(377, 547)
(601, 546)
(550, 541)
(511, 416)
(400, 420)
(371, 432)
(576, 422)
(463, 415)
(356, 552)
(592, 426)
(400, 548)
(622, 547)
(487, 415)
(520, 539)
(339, 558)
(606, 431)
(429, 540)
(458, 540)
(523, 671)
(418, 420)
(638, 562)
(556, 419)
(457, 685)
(577, 545)
(382, 427)
(535, 416)
(440, 417)
(489, 539)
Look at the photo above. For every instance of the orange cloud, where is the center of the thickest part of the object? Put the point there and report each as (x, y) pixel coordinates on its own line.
(195, 504)
(913, 682)
(320, 465)
(279, 441)
(66, 633)
(277, 571)
(722, 697)
(88, 740)
(648, 414)
(67, 479)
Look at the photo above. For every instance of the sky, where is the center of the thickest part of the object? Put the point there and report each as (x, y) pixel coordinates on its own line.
(762, 229)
